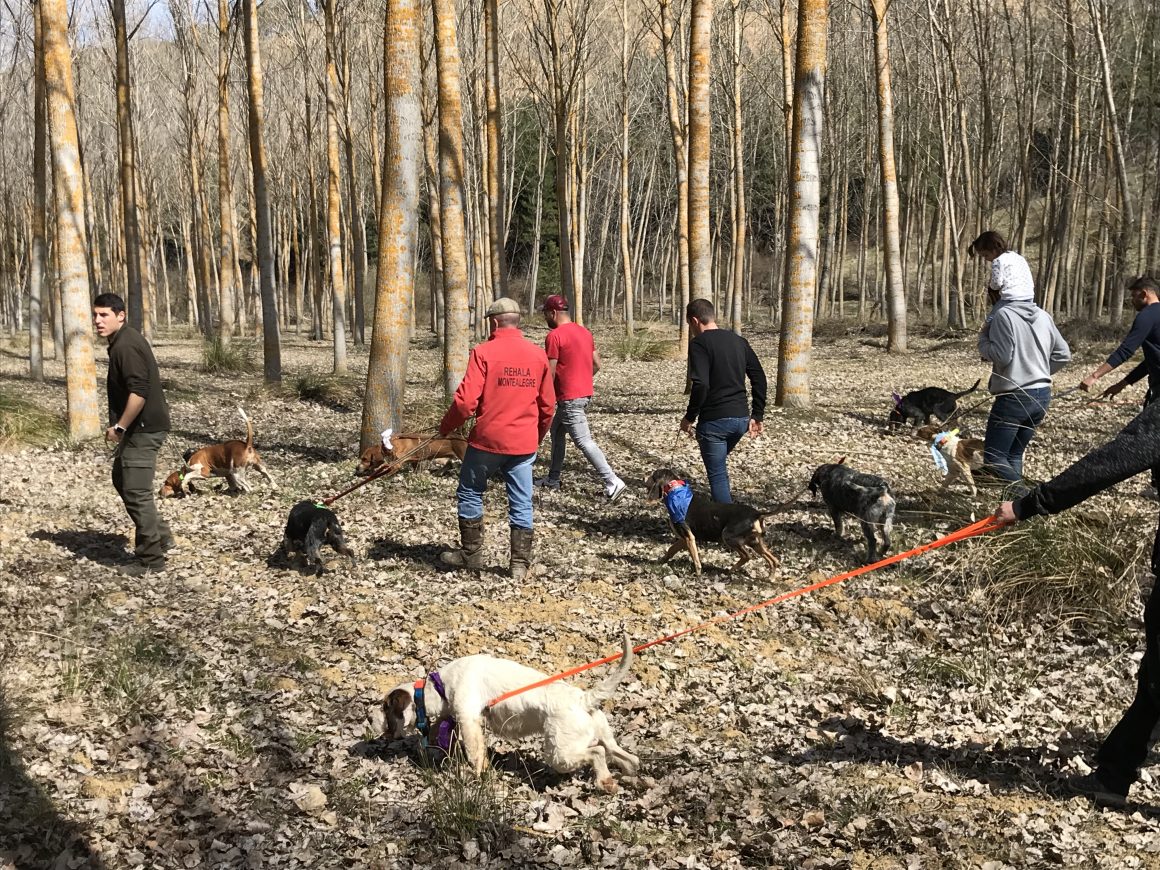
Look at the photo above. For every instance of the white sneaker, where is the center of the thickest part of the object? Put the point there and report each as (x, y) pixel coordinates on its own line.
(615, 491)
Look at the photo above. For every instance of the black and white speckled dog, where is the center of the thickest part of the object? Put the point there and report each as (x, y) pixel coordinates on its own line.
(866, 496)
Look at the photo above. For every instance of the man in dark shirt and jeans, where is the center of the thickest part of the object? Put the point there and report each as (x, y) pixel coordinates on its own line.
(719, 362)
(1145, 332)
(139, 422)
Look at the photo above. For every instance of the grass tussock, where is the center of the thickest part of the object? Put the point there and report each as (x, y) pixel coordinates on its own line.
(1079, 567)
(644, 346)
(24, 423)
(324, 389)
(462, 806)
(218, 358)
(1083, 332)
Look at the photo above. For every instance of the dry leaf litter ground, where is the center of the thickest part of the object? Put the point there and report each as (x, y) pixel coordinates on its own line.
(215, 716)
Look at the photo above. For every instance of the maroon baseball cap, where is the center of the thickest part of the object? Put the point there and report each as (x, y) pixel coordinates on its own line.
(555, 302)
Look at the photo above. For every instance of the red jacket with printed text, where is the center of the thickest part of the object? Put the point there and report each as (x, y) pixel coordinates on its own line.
(508, 389)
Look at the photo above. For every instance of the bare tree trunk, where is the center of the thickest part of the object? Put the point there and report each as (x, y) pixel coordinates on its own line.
(38, 256)
(229, 227)
(334, 195)
(740, 209)
(700, 122)
(680, 164)
(71, 242)
(563, 93)
(892, 246)
(128, 172)
(357, 220)
(456, 341)
(793, 357)
(271, 337)
(1127, 219)
(398, 223)
(430, 108)
(538, 220)
(625, 216)
(496, 194)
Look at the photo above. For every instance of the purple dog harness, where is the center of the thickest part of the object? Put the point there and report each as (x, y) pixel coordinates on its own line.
(446, 728)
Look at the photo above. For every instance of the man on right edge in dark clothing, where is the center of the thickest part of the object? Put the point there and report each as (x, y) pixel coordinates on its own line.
(1145, 332)
(1135, 449)
(719, 362)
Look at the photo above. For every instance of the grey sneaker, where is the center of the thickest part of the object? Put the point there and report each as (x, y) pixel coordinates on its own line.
(546, 483)
(617, 490)
(1091, 786)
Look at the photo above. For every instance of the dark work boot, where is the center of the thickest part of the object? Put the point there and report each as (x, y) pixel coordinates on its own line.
(521, 552)
(469, 554)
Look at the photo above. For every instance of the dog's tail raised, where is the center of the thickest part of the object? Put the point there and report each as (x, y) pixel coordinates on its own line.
(249, 429)
(606, 688)
(974, 387)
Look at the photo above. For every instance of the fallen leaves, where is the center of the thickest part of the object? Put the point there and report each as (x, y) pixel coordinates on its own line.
(216, 716)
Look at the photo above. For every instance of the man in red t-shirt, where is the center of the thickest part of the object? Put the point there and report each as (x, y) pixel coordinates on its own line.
(508, 389)
(573, 358)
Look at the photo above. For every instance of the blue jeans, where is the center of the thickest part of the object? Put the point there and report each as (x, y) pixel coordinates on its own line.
(571, 419)
(1010, 429)
(717, 438)
(478, 467)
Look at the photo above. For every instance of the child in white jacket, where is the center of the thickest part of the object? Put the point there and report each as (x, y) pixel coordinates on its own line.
(1025, 349)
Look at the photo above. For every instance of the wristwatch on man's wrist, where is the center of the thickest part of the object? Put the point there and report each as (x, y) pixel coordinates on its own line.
(118, 428)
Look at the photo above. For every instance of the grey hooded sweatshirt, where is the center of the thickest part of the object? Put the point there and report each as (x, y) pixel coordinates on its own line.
(1022, 344)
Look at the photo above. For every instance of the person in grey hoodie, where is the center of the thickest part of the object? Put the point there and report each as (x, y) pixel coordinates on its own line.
(1025, 349)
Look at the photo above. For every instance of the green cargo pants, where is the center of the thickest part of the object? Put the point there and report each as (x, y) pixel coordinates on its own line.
(134, 466)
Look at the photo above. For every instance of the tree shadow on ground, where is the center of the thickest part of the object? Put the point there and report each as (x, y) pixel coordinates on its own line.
(32, 832)
(104, 547)
(316, 452)
(1004, 768)
(383, 549)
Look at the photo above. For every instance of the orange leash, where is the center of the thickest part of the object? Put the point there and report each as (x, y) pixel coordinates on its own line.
(987, 524)
(387, 470)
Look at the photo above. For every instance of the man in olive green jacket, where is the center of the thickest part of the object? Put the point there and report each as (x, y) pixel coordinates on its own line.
(139, 422)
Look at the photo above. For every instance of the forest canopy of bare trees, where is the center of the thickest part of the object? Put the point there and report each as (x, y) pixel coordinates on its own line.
(564, 150)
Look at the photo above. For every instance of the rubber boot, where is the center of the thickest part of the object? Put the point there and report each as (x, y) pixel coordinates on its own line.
(521, 552)
(469, 554)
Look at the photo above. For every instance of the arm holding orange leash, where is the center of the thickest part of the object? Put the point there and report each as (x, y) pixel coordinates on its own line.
(1135, 449)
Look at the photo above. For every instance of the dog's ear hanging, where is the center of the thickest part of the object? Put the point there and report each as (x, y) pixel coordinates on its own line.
(897, 398)
(840, 461)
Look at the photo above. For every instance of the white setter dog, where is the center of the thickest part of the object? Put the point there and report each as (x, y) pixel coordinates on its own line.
(575, 731)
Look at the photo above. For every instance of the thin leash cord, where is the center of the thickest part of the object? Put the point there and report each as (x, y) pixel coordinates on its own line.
(987, 524)
(383, 472)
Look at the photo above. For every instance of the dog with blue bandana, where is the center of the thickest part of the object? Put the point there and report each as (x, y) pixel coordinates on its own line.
(695, 517)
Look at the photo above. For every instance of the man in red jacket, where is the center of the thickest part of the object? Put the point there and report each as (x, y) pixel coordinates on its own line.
(508, 389)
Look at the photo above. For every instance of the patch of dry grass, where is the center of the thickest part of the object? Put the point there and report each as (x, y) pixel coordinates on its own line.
(23, 422)
(1079, 567)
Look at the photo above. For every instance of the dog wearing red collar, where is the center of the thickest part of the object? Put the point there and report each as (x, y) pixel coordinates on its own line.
(695, 517)
(575, 730)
